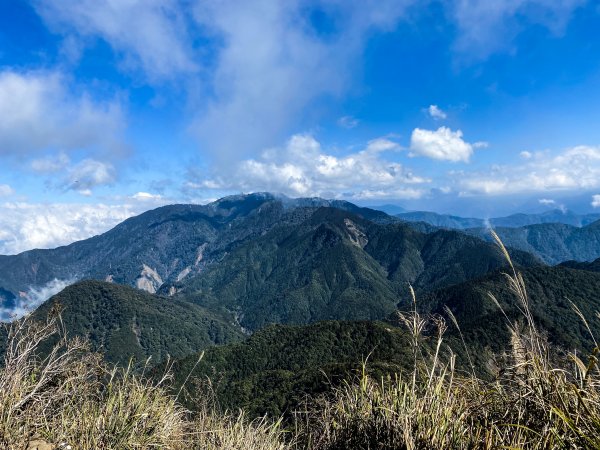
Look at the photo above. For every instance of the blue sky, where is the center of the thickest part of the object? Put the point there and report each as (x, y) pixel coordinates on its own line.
(111, 107)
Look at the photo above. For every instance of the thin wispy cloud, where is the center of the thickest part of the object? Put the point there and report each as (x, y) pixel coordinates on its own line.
(486, 27)
(149, 36)
(348, 122)
(39, 112)
(6, 190)
(435, 112)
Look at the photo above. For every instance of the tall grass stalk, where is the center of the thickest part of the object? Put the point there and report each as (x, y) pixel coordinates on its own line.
(537, 401)
(71, 398)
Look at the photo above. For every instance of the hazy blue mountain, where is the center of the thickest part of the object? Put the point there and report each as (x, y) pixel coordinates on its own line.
(553, 216)
(392, 210)
(441, 220)
(515, 220)
(551, 242)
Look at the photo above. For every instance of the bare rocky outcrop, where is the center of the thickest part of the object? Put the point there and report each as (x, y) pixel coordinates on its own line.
(149, 280)
(356, 235)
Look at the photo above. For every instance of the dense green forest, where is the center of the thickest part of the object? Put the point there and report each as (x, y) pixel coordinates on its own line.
(123, 322)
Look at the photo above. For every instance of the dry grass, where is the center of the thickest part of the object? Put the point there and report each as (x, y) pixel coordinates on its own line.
(537, 402)
(71, 398)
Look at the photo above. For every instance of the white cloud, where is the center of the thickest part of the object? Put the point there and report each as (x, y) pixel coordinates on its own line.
(348, 122)
(146, 197)
(486, 27)
(436, 113)
(302, 168)
(149, 34)
(24, 226)
(39, 112)
(574, 168)
(596, 201)
(32, 299)
(6, 190)
(273, 65)
(51, 164)
(81, 176)
(526, 155)
(88, 174)
(547, 201)
(442, 144)
(260, 63)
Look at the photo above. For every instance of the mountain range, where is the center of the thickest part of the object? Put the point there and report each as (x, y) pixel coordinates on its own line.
(163, 249)
(553, 236)
(288, 297)
(514, 220)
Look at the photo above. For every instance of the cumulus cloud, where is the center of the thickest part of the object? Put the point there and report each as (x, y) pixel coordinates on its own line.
(526, 155)
(39, 112)
(442, 144)
(436, 113)
(486, 27)
(303, 168)
(24, 226)
(151, 35)
(6, 190)
(574, 168)
(596, 201)
(547, 201)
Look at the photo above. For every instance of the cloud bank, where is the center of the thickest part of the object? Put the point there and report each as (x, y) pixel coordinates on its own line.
(303, 168)
(34, 297)
(574, 168)
(26, 225)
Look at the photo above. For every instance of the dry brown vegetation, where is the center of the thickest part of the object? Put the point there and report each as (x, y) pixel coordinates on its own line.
(71, 398)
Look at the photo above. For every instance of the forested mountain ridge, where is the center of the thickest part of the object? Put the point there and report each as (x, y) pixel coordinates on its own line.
(164, 244)
(123, 323)
(162, 249)
(336, 265)
(274, 370)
